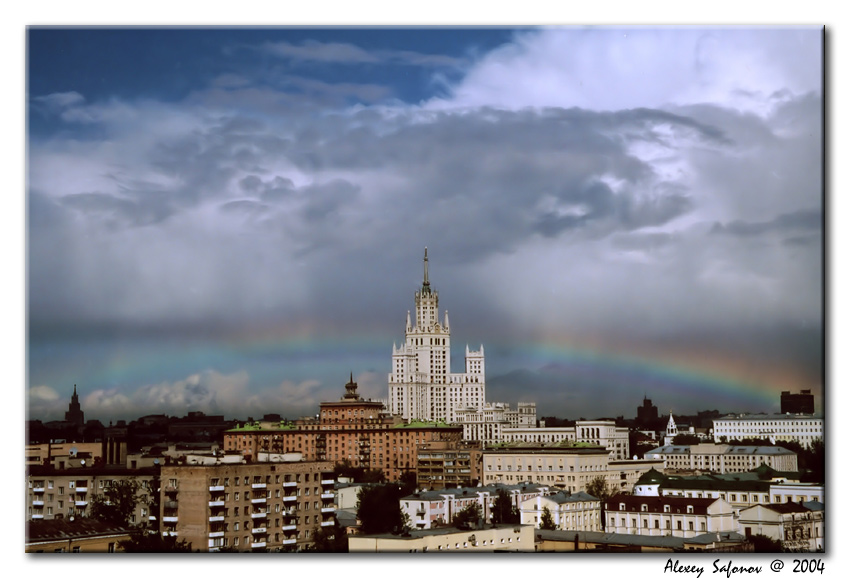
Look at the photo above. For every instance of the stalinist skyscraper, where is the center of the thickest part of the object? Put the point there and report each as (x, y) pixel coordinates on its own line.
(422, 385)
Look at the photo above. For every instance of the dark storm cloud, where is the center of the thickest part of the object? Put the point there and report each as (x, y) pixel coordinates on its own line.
(796, 222)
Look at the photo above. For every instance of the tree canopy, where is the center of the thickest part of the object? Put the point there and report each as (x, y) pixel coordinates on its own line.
(468, 517)
(546, 520)
(154, 542)
(117, 502)
(378, 509)
(504, 511)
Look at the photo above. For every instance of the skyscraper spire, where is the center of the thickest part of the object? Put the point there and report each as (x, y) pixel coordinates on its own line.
(425, 284)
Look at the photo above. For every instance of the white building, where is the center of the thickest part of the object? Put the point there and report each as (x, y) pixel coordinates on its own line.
(722, 458)
(570, 511)
(605, 433)
(804, 429)
(502, 538)
(422, 385)
(663, 516)
(436, 507)
(799, 527)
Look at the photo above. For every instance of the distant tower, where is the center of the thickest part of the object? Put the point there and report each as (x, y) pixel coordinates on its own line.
(672, 430)
(74, 415)
(803, 402)
(647, 413)
(421, 384)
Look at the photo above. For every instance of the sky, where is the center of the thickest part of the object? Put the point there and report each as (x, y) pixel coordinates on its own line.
(233, 220)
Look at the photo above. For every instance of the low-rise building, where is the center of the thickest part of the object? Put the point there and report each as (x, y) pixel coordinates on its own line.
(247, 507)
(799, 527)
(802, 428)
(569, 511)
(569, 467)
(663, 516)
(722, 458)
(499, 538)
(80, 535)
(577, 541)
(438, 507)
(605, 433)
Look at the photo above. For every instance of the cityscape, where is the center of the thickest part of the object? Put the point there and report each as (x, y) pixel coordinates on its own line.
(243, 249)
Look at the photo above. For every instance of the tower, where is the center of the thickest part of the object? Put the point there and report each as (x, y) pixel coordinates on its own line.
(672, 430)
(421, 384)
(74, 415)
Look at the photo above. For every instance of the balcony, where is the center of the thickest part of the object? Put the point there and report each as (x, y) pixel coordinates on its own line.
(290, 541)
(217, 534)
(37, 503)
(169, 533)
(329, 523)
(256, 515)
(216, 519)
(258, 544)
(328, 510)
(37, 516)
(170, 504)
(290, 484)
(82, 489)
(258, 500)
(289, 528)
(291, 498)
(260, 530)
(216, 503)
(328, 482)
(216, 488)
(328, 496)
(38, 489)
(81, 503)
(258, 486)
(171, 519)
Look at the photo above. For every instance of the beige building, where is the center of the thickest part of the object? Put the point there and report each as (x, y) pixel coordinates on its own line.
(722, 458)
(507, 538)
(577, 511)
(256, 507)
(565, 467)
(605, 433)
(448, 465)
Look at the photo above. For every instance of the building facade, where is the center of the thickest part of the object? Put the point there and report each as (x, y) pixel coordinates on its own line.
(421, 384)
(352, 430)
(662, 516)
(257, 507)
(799, 527)
(438, 507)
(569, 468)
(570, 511)
(722, 458)
(502, 538)
(67, 494)
(448, 465)
(803, 429)
(794, 403)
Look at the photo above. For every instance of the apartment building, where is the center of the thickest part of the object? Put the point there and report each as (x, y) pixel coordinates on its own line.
(664, 516)
(801, 428)
(569, 511)
(722, 458)
(247, 507)
(67, 494)
(448, 465)
(604, 433)
(352, 429)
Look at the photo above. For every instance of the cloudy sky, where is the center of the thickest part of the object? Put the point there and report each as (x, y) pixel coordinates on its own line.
(232, 220)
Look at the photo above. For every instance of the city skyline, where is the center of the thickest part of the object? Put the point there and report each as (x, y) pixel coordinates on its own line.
(232, 220)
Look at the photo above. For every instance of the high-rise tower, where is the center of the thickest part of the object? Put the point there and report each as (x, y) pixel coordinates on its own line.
(421, 384)
(74, 414)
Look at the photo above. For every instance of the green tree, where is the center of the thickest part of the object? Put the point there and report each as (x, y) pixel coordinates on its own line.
(357, 474)
(764, 543)
(117, 503)
(379, 510)
(546, 521)
(154, 542)
(330, 539)
(598, 488)
(468, 517)
(504, 511)
(685, 440)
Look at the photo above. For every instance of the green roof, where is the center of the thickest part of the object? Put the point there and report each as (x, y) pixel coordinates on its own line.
(416, 424)
(257, 427)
